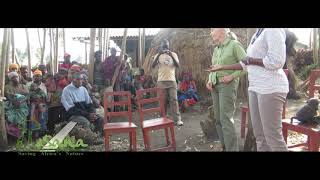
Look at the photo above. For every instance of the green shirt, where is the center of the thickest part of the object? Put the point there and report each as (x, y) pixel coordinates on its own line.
(230, 52)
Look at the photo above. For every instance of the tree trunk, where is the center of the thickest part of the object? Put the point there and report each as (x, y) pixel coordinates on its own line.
(143, 49)
(29, 53)
(38, 31)
(100, 38)
(44, 45)
(86, 52)
(51, 58)
(3, 132)
(106, 54)
(123, 51)
(13, 46)
(315, 47)
(56, 50)
(64, 40)
(139, 59)
(91, 55)
(8, 50)
(104, 45)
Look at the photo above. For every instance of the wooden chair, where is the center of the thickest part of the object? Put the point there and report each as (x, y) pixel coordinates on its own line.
(311, 130)
(156, 123)
(312, 87)
(119, 127)
(245, 109)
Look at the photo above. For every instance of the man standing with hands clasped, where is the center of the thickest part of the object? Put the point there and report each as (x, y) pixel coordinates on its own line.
(167, 62)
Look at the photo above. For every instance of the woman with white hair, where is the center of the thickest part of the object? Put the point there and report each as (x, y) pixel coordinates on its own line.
(224, 85)
(268, 85)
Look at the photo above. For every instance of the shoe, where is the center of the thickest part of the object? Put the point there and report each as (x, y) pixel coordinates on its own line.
(180, 123)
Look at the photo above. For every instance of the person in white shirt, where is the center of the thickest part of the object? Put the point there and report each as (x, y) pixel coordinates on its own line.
(268, 86)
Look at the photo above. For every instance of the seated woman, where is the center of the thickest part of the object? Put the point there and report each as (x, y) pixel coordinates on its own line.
(187, 92)
(38, 112)
(16, 113)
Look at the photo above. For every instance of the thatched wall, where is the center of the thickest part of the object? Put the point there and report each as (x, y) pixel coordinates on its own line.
(194, 48)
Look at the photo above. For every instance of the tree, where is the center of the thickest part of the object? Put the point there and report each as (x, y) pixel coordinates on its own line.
(12, 44)
(29, 53)
(44, 45)
(3, 132)
(315, 47)
(91, 56)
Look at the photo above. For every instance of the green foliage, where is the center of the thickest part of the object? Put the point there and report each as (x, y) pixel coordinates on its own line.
(304, 74)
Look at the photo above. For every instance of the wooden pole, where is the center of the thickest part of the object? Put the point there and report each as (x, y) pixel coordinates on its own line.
(51, 59)
(56, 50)
(138, 62)
(143, 45)
(107, 45)
(104, 45)
(64, 40)
(13, 47)
(44, 45)
(86, 52)
(315, 47)
(39, 39)
(3, 132)
(100, 38)
(29, 53)
(8, 50)
(91, 55)
(3, 60)
(123, 50)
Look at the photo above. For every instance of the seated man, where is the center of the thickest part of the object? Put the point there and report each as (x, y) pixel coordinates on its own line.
(78, 105)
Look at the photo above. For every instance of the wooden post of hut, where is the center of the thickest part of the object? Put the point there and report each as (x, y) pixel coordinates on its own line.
(106, 54)
(51, 58)
(143, 49)
(13, 47)
(56, 51)
(315, 47)
(138, 63)
(91, 55)
(44, 45)
(64, 40)
(8, 50)
(3, 132)
(29, 53)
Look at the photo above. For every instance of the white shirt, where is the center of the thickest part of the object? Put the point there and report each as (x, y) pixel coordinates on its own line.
(166, 71)
(72, 94)
(271, 48)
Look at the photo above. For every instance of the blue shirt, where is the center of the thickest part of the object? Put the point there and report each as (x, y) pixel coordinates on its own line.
(72, 94)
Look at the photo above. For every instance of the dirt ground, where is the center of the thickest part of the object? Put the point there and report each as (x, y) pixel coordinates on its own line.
(190, 137)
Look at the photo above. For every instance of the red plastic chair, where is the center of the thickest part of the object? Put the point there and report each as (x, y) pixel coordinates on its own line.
(157, 123)
(119, 127)
(245, 109)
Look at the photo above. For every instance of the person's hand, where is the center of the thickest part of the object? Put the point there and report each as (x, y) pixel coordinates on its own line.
(214, 68)
(227, 79)
(209, 86)
(92, 116)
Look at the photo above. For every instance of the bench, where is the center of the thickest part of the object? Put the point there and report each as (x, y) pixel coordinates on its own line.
(311, 130)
